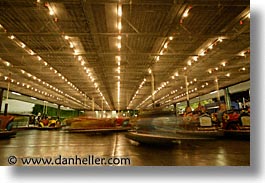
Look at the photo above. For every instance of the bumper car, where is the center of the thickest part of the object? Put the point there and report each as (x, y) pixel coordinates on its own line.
(163, 127)
(199, 126)
(49, 124)
(236, 125)
(96, 125)
(6, 123)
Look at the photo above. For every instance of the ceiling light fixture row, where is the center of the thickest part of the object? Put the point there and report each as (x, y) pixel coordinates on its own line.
(29, 87)
(157, 58)
(46, 94)
(47, 85)
(173, 92)
(189, 63)
(29, 51)
(118, 58)
(137, 92)
(76, 52)
(164, 48)
(203, 52)
(86, 69)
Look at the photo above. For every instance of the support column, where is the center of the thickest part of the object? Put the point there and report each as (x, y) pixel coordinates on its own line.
(102, 107)
(7, 93)
(93, 104)
(1, 98)
(187, 90)
(175, 108)
(217, 88)
(153, 88)
(227, 98)
(59, 111)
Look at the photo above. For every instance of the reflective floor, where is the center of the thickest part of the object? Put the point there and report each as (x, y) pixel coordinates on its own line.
(55, 144)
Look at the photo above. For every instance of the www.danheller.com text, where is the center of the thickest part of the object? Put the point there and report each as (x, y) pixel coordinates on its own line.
(73, 160)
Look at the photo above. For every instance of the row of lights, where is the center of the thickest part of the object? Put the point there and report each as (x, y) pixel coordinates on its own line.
(28, 86)
(137, 92)
(40, 81)
(202, 53)
(76, 52)
(118, 58)
(162, 51)
(81, 61)
(157, 58)
(28, 50)
(175, 90)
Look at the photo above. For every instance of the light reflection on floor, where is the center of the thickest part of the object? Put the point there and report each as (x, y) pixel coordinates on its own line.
(34, 143)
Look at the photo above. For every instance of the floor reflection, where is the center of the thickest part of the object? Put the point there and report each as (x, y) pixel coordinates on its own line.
(34, 143)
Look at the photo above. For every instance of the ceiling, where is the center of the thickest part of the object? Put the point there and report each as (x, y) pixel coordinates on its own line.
(109, 54)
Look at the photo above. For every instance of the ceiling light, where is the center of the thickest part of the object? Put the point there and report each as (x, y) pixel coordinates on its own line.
(223, 64)
(119, 37)
(185, 68)
(176, 74)
(12, 37)
(23, 45)
(15, 93)
(66, 37)
(211, 47)
(157, 58)
(165, 46)
(227, 75)
(206, 84)
(39, 58)
(119, 26)
(220, 39)
(149, 71)
(76, 52)
(119, 45)
(189, 62)
(119, 11)
(185, 14)
(170, 38)
(243, 69)
(51, 12)
(194, 79)
(118, 58)
(195, 58)
(71, 45)
(7, 64)
(242, 54)
(202, 53)
(248, 15)
(216, 68)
